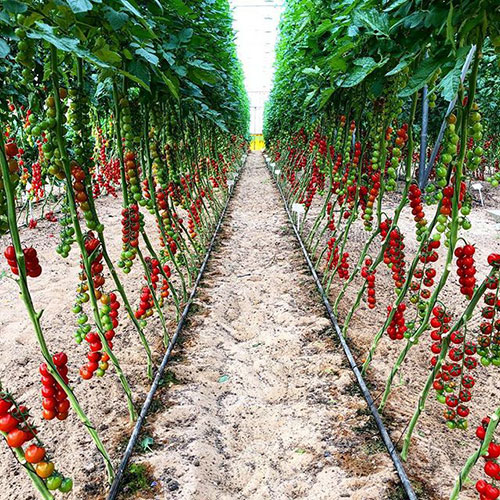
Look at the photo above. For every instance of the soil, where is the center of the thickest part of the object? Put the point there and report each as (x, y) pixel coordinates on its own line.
(259, 401)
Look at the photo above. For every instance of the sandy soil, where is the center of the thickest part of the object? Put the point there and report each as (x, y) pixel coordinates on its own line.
(265, 406)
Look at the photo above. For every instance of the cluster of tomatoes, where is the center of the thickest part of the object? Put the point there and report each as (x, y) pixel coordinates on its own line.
(36, 181)
(146, 304)
(31, 262)
(369, 276)
(194, 219)
(97, 360)
(489, 338)
(486, 489)
(131, 224)
(331, 216)
(312, 185)
(397, 327)
(332, 256)
(460, 357)
(466, 270)
(19, 431)
(394, 257)
(343, 269)
(401, 139)
(81, 195)
(54, 400)
(373, 193)
(415, 196)
(423, 277)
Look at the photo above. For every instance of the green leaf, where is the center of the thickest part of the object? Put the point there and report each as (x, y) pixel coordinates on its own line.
(404, 63)
(395, 5)
(15, 7)
(450, 83)
(421, 76)
(46, 33)
(149, 56)
(139, 73)
(365, 66)
(325, 97)
(185, 34)
(378, 22)
(450, 33)
(108, 56)
(172, 82)
(131, 8)
(116, 19)
(180, 7)
(337, 63)
(78, 6)
(4, 48)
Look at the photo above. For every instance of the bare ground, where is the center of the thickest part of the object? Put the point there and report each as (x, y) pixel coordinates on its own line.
(265, 406)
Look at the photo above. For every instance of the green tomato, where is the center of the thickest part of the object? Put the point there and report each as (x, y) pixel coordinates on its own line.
(485, 361)
(66, 485)
(53, 482)
(466, 224)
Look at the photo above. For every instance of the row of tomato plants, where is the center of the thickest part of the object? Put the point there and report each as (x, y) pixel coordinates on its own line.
(76, 126)
(356, 164)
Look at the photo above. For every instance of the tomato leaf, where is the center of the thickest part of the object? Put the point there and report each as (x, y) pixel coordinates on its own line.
(149, 56)
(364, 66)
(4, 48)
(15, 7)
(78, 6)
(116, 19)
(185, 35)
(421, 76)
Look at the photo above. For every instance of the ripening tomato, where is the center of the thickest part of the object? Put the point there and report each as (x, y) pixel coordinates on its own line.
(34, 454)
(44, 469)
(85, 373)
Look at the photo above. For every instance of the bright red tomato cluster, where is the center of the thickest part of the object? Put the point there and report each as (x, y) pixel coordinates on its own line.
(466, 270)
(370, 282)
(486, 489)
(54, 400)
(33, 268)
(397, 327)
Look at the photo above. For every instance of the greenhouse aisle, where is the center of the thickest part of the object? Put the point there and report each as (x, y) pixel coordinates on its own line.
(263, 407)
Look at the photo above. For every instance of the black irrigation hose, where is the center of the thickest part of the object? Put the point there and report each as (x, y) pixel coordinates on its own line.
(115, 487)
(405, 482)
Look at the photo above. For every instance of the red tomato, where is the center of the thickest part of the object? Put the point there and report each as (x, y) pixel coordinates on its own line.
(16, 438)
(34, 454)
(4, 406)
(8, 422)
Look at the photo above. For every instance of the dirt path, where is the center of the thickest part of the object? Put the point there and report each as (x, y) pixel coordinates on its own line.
(265, 406)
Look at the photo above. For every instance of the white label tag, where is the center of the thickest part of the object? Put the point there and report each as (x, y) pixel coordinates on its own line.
(230, 184)
(299, 209)
(277, 172)
(272, 164)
